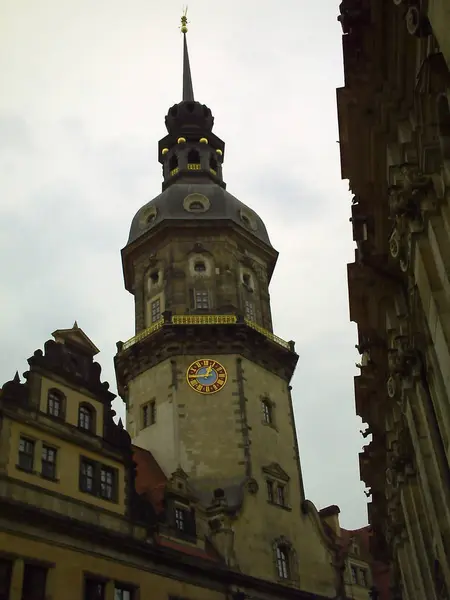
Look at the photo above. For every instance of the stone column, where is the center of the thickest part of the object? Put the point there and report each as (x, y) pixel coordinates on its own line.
(17, 580)
(109, 590)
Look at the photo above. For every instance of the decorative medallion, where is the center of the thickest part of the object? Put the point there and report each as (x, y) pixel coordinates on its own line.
(206, 376)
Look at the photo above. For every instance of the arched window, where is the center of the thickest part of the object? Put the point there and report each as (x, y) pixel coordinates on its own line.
(283, 563)
(199, 266)
(173, 162)
(193, 157)
(55, 403)
(86, 418)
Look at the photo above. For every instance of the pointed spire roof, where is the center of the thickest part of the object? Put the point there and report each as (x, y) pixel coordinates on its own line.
(188, 90)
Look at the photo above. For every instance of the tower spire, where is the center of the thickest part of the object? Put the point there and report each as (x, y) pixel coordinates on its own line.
(188, 90)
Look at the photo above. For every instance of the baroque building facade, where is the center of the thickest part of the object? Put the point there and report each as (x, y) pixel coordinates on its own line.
(394, 121)
(201, 495)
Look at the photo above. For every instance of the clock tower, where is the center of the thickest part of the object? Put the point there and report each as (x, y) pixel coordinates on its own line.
(205, 380)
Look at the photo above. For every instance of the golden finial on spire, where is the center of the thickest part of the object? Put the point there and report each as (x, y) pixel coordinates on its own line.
(184, 20)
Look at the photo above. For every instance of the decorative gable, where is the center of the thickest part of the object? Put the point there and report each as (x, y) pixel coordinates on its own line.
(274, 470)
(76, 337)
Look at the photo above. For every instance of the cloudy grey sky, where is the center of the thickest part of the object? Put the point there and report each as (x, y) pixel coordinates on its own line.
(85, 86)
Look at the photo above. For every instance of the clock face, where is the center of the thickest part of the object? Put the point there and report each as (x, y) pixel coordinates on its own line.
(206, 376)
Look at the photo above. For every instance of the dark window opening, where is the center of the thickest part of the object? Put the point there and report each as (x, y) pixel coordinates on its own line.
(245, 220)
(48, 462)
(173, 162)
(270, 490)
(94, 590)
(154, 276)
(151, 217)
(201, 299)
(86, 418)
(55, 403)
(5, 578)
(155, 310)
(98, 480)
(193, 157)
(26, 454)
(196, 206)
(364, 580)
(283, 562)
(354, 574)
(199, 266)
(34, 579)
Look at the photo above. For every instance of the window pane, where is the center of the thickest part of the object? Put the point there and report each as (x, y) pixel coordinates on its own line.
(201, 299)
(87, 476)
(34, 579)
(179, 519)
(54, 404)
(249, 310)
(270, 491)
(280, 495)
(85, 418)
(282, 562)
(107, 483)
(94, 590)
(26, 454)
(156, 310)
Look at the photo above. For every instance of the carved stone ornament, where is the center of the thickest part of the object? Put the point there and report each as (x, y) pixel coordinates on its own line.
(391, 387)
(252, 486)
(417, 23)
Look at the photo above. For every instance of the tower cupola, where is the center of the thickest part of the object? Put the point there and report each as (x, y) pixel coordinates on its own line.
(190, 150)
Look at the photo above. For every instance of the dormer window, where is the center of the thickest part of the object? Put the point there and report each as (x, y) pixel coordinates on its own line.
(55, 403)
(86, 418)
(180, 519)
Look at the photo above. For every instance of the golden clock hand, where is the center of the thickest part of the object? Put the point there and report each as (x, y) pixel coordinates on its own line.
(208, 372)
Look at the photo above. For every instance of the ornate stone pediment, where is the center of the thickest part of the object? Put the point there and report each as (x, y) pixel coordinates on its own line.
(274, 470)
(76, 336)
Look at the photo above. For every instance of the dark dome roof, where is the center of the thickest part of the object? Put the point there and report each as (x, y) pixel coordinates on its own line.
(171, 205)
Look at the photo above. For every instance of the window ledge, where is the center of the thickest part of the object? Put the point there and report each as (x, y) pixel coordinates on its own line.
(283, 506)
(49, 478)
(25, 470)
(271, 425)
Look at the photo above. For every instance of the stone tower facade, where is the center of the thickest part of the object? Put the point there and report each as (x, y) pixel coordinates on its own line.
(205, 381)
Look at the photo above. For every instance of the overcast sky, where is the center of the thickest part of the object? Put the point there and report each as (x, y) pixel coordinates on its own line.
(84, 88)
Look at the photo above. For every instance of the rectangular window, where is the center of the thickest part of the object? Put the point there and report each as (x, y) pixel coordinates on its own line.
(123, 593)
(353, 574)
(149, 414)
(26, 454)
(34, 579)
(267, 411)
(364, 580)
(107, 483)
(156, 310)
(250, 311)
(281, 496)
(5, 578)
(269, 490)
(94, 589)
(180, 519)
(48, 462)
(87, 476)
(201, 299)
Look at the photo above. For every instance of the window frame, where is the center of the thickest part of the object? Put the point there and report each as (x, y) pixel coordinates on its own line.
(123, 587)
(148, 414)
(47, 462)
(283, 561)
(155, 310)
(112, 485)
(87, 409)
(250, 311)
(29, 580)
(87, 462)
(201, 299)
(353, 574)
(26, 454)
(180, 518)
(267, 410)
(53, 395)
(91, 579)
